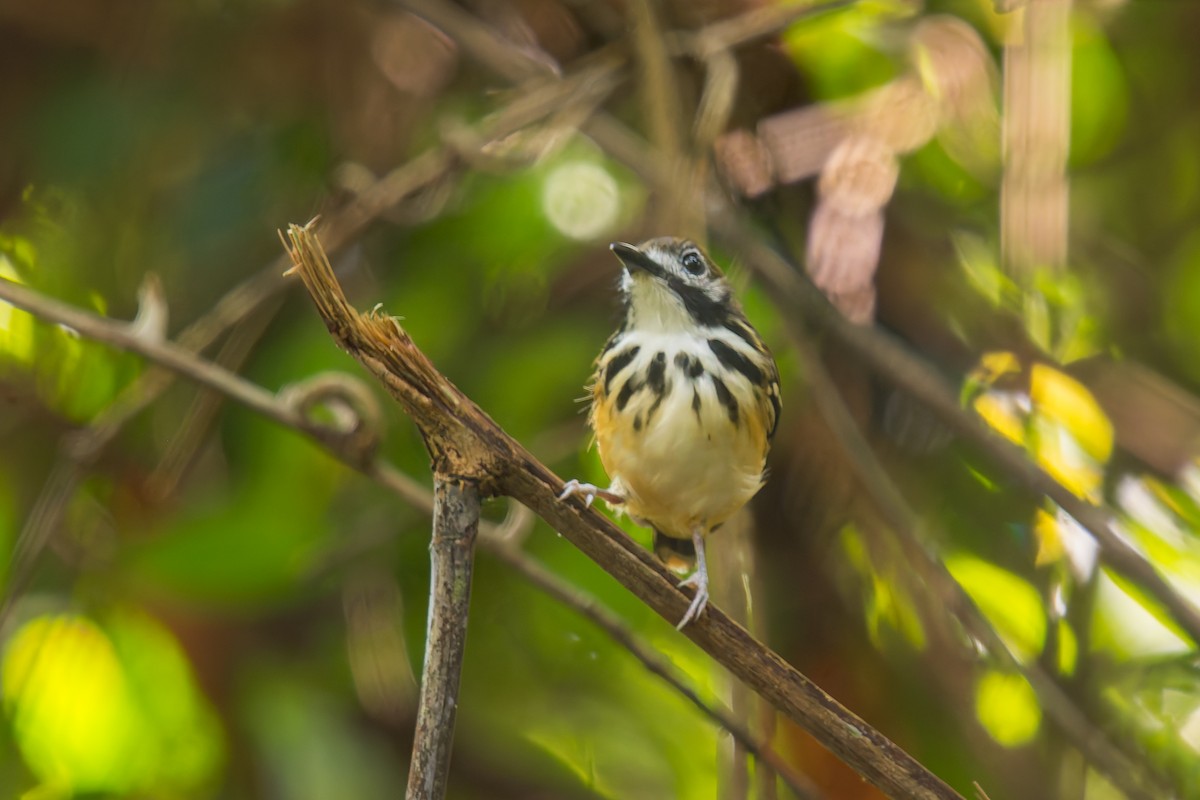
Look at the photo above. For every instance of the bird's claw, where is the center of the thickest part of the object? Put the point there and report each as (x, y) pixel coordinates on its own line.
(587, 491)
(699, 582)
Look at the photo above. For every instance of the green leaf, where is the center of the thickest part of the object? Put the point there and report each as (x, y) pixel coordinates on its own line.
(108, 709)
(1010, 603)
(1007, 707)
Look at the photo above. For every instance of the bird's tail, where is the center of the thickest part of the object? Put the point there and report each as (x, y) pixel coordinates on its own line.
(679, 555)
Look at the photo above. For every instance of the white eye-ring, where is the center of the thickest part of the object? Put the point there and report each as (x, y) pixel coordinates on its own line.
(693, 262)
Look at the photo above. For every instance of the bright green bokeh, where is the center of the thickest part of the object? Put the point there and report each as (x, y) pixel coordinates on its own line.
(1011, 604)
(1007, 707)
(1099, 94)
(108, 709)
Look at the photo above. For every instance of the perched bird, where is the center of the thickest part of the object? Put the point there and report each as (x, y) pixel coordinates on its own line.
(685, 400)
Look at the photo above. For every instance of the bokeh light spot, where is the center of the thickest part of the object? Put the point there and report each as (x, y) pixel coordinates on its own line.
(580, 199)
(1007, 707)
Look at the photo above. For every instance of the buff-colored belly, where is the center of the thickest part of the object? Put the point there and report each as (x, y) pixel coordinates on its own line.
(683, 470)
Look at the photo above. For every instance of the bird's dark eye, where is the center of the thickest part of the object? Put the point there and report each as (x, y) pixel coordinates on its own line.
(693, 262)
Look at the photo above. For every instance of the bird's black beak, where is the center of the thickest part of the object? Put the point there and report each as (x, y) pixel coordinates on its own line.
(635, 259)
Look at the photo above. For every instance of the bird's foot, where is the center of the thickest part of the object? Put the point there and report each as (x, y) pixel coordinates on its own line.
(589, 492)
(698, 580)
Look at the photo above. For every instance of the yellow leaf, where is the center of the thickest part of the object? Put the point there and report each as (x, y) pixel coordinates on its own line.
(1068, 648)
(1062, 399)
(1060, 454)
(1007, 707)
(1002, 416)
(1049, 544)
(1012, 605)
(64, 689)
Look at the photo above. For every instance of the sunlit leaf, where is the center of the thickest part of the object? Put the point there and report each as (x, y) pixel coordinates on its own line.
(1127, 623)
(982, 268)
(1007, 707)
(16, 326)
(1001, 413)
(1059, 453)
(1035, 313)
(1061, 398)
(1068, 648)
(1060, 538)
(1050, 545)
(1011, 604)
(184, 736)
(68, 698)
(107, 713)
(835, 52)
(891, 605)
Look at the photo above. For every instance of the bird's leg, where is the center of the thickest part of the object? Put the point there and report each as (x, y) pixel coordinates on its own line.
(698, 580)
(589, 492)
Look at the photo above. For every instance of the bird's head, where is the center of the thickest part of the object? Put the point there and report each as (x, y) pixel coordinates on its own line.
(671, 285)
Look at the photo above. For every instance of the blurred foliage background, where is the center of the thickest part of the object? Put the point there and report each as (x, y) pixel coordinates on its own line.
(223, 610)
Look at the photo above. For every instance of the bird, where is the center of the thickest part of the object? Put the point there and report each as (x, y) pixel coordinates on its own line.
(684, 403)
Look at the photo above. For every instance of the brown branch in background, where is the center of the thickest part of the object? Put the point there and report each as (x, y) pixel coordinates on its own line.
(756, 23)
(192, 430)
(452, 555)
(350, 444)
(662, 107)
(503, 57)
(464, 441)
(1036, 138)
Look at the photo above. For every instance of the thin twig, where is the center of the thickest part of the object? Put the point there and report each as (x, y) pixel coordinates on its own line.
(193, 428)
(662, 107)
(757, 23)
(500, 55)
(452, 554)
